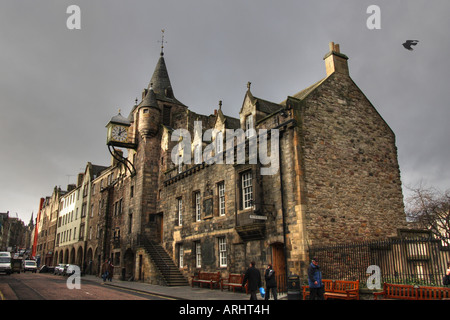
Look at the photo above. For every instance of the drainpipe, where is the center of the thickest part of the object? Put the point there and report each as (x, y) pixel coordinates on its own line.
(283, 211)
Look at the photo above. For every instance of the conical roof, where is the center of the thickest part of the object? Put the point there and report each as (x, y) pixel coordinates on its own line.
(160, 80)
(150, 99)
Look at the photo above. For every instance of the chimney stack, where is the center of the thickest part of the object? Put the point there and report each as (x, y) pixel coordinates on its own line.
(335, 61)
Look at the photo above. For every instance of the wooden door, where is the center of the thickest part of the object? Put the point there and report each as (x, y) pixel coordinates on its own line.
(279, 265)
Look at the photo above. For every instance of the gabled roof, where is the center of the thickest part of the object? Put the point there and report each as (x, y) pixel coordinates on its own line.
(305, 92)
(263, 105)
(267, 106)
(230, 122)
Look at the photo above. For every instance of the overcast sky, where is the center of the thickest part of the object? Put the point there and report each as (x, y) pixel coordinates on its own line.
(60, 87)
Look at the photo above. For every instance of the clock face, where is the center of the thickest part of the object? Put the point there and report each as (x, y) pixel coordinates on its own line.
(119, 133)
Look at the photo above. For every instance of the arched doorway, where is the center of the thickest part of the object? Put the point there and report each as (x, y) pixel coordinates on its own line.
(72, 256)
(56, 258)
(90, 262)
(66, 256)
(79, 260)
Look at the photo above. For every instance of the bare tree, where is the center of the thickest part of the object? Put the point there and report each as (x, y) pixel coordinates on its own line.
(430, 209)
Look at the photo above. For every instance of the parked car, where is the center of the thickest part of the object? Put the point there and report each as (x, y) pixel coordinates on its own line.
(29, 265)
(46, 269)
(59, 269)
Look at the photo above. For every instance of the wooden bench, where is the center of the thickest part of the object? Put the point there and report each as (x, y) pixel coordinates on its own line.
(409, 292)
(234, 281)
(337, 289)
(210, 278)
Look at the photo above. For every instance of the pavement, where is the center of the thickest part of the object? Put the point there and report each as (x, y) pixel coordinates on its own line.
(177, 292)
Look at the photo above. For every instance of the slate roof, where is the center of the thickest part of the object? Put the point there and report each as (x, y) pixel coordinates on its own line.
(160, 82)
(305, 92)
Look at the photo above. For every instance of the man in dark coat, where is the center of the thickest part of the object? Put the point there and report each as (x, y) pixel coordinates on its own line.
(316, 288)
(271, 282)
(253, 276)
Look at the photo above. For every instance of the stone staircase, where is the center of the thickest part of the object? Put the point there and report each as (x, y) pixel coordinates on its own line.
(170, 273)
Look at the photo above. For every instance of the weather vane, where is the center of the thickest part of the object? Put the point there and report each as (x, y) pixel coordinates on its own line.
(162, 41)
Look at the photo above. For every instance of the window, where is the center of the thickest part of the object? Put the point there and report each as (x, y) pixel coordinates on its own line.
(81, 237)
(221, 189)
(130, 221)
(222, 252)
(198, 255)
(198, 207)
(181, 256)
(219, 142)
(247, 190)
(249, 129)
(197, 154)
(83, 210)
(166, 115)
(180, 211)
(180, 163)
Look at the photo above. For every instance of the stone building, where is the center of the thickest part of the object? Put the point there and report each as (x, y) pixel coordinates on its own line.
(337, 180)
(14, 234)
(44, 243)
(188, 192)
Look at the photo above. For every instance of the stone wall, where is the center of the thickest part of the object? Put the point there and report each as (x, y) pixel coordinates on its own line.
(352, 178)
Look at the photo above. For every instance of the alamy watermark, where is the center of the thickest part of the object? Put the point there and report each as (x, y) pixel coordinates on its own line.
(230, 145)
(374, 279)
(74, 20)
(374, 20)
(74, 280)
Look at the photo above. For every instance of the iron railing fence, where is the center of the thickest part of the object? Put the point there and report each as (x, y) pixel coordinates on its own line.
(421, 261)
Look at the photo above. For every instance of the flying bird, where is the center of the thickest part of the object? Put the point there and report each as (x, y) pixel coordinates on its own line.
(410, 43)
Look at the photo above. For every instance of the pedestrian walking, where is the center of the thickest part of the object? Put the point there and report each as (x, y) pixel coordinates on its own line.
(104, 270)
(316, 289)
(253, 277)
(110, 271)
(271, 282)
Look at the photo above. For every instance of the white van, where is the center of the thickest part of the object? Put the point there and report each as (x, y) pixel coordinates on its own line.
(29, 265)
(5, 262)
